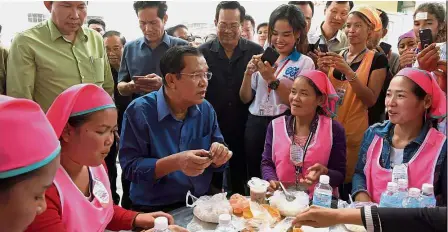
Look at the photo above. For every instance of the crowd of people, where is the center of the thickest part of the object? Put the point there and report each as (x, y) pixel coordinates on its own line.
(205, 117)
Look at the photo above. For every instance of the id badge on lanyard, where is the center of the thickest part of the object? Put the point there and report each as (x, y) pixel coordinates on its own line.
(267, 108)
(100, 192)
(400, 172)
(297, 153)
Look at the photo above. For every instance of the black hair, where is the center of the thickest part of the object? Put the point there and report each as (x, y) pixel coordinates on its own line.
(161, 7)
(77, 121)
(230, 5)
(115, 33)
(252, 21)
(418, 91)
(170, 31)
(421, 94)
(7, 183)
(180, 26)
(301, 3)
(210, 37)
(261, 25)
(97, 21)
(350, 3)
(384, 18)
(438, 10)
(296, 19)
(173, 60)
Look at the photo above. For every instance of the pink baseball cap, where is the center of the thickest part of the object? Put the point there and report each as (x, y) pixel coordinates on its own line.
(27, 139)
(324, 85)
(77, 100)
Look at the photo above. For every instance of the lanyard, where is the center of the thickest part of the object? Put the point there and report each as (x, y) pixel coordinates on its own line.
(356, 57)
(278, 73)
(305, 148)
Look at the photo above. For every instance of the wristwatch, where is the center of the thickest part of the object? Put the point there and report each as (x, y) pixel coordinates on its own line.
(274, 84)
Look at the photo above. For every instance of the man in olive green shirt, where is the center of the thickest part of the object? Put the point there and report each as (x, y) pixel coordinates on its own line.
(56, 54)
(3, 59)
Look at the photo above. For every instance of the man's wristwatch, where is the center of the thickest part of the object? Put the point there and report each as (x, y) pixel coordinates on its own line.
(274, 84)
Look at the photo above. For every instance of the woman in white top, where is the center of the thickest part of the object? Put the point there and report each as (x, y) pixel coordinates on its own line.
(267, 86)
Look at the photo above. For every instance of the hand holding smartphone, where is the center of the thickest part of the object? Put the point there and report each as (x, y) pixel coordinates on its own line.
(323, 48)
(270, 55)
(136, 78)
(425, 37)
(386, 47)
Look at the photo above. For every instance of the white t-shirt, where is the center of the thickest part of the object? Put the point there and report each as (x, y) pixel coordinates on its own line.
(296, 63)
(396, 156)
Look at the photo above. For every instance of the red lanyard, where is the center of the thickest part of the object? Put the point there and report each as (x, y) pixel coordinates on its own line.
(279, 71)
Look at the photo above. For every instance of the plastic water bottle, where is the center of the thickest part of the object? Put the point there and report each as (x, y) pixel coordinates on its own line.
(225, 224)
(413, 199)
(161, 224)
(389, 197)
(402, 192)
(427, 198)
(323, 192)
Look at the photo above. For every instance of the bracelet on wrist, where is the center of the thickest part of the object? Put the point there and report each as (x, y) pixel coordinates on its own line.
(353, 78)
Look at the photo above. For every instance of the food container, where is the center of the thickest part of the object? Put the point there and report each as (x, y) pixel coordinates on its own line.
(258, 189)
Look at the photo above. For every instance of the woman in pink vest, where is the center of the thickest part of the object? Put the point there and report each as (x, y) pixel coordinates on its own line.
(29, 158)
(308, 142)
(84, 118)
(406, 146)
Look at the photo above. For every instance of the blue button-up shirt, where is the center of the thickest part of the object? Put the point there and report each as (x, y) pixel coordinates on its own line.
(151, 132)
(385, 131)
(140, 60)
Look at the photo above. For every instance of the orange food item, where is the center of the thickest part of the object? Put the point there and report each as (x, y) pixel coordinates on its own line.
(275, 213)
(247, 214)
(238, 203)
(297, 229)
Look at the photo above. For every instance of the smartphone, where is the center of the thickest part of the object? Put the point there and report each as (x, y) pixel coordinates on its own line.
(323, 48)
(425, 37)
(135, 78)
(386, 47)
(270, 55)
(312, 47)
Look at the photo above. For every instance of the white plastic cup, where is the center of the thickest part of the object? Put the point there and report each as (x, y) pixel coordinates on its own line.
(258, 189)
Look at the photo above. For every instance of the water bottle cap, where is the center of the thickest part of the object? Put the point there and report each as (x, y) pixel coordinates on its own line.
(324, 179)
(225, 219)
(392, 186)
(414, 192)
(161, 223)
(427, 188)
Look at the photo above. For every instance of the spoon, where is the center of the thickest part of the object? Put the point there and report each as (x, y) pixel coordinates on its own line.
(289, 196)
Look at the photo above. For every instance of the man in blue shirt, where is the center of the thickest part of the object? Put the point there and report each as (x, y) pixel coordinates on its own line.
(170, 140)
(139, 71)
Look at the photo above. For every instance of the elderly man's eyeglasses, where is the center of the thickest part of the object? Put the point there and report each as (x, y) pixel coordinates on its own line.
(224, 26)
(198, 75)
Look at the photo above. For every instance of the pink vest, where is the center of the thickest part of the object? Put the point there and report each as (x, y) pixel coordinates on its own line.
(78, 213)
(421, 167)
(318, 152)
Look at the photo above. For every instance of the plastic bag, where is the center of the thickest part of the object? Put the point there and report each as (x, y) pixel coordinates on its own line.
(208, 208)
(197, 225)
(289, 208)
